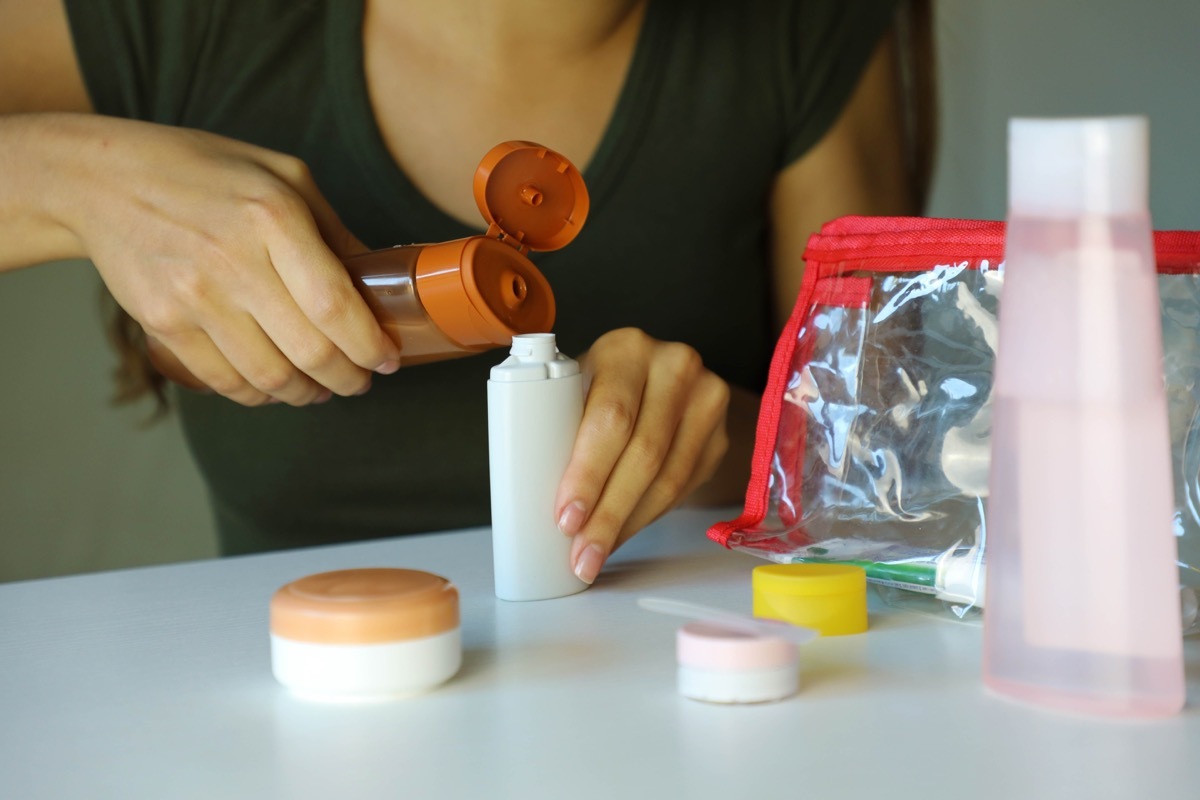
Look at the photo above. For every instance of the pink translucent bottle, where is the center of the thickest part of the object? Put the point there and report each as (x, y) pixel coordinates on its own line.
(1082, 591)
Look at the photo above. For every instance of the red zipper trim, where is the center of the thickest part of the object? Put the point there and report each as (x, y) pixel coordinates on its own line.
(758, 487)
(843, 291)
(906, 244)
(1177, 252)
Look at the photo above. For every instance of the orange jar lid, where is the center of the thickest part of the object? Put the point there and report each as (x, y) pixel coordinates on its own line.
(364, 606)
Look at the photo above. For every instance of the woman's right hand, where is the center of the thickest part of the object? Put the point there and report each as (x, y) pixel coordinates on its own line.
(224, 252)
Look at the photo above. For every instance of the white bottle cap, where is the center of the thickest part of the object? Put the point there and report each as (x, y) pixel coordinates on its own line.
(1067, 167)
(961, 577)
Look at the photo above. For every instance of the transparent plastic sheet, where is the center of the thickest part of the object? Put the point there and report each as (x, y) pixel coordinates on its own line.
(872, 442)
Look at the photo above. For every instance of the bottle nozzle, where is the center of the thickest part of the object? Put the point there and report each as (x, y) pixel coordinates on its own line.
(536, 347)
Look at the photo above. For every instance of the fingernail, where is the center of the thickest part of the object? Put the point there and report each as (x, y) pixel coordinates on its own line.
(324, 397)
(572, 518)
(366, 387)
(388, 367)
(588, 559)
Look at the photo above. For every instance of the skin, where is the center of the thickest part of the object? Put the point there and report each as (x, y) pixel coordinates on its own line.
(237, 266)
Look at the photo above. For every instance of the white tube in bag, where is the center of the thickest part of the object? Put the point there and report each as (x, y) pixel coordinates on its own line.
(535, 403)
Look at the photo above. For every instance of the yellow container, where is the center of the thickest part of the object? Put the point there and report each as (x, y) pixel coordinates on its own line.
(830, 598)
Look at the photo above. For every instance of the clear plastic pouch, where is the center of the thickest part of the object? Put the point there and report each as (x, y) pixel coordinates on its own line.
(872, 440)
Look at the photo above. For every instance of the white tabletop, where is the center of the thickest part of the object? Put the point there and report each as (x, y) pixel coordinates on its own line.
(156, 683)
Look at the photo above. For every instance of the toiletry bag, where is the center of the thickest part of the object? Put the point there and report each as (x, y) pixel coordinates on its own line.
(872, 439)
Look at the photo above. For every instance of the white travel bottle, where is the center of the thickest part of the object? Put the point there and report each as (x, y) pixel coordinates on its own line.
(535, 403)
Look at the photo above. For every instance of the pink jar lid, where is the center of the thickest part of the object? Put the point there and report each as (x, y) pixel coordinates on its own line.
(703, 645)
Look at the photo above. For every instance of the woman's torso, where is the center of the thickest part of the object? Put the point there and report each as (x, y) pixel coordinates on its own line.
(676, 243)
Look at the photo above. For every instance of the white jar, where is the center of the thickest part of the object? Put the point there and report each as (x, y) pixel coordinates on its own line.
(364, 634)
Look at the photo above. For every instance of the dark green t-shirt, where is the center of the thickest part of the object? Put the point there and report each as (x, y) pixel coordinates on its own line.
(719, 98)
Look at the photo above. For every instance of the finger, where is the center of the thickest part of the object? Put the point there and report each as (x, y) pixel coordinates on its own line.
(588, 554)
(306, 347)
(256, 358)
(614, 401)
(197, 354)
(315, 277)
(701, 441)
(665, 398)
(322, 289)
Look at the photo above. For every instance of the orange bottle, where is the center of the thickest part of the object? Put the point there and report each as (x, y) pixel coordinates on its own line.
(449, 299)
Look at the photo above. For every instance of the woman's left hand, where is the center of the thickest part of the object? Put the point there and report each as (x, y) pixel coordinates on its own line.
(653, 431)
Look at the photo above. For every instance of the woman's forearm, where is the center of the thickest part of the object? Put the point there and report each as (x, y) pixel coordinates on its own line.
(34, 149)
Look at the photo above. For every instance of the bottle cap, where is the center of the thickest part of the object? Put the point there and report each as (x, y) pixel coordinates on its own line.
(532, 197)
(481, 291)
(533, 357)
(831, 598)
(1068, 167)
(961, 577)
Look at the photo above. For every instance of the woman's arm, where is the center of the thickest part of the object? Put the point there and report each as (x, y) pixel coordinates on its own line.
(225, 253)
(38, 72)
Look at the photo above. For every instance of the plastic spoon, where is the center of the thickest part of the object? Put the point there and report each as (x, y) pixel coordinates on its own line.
(729, 619)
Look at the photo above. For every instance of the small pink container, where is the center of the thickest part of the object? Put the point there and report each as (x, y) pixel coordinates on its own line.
(719, 665)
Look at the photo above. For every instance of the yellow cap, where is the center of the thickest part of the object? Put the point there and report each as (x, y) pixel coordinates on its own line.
(831, 598)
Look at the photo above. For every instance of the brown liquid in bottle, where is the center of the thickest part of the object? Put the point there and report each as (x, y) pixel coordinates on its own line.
(454, 298)
(387, 280)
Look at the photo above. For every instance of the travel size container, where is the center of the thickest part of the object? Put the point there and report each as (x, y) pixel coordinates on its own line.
(1082, 591)
(535, 404)
(365, 634)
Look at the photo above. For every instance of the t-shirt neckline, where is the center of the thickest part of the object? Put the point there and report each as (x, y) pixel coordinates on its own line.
(390, 185)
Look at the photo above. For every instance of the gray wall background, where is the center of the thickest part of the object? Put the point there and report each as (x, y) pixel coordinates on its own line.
(84, 486)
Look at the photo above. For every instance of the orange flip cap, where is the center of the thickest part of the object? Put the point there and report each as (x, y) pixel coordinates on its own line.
(532, 197)
(481, 291)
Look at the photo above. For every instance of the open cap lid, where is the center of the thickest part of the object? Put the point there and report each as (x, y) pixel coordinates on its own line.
(531, 197)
